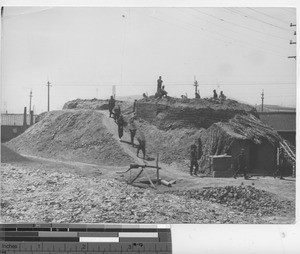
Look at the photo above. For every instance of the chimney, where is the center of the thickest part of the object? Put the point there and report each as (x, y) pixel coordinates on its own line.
(24, 118)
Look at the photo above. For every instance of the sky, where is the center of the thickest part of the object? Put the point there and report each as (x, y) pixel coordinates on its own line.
(84, 51)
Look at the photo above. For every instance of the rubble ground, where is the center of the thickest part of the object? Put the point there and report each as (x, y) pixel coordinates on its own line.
(42, 190)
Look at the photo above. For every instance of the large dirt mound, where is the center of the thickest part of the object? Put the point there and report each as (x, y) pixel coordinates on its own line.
(172, 145)
(77, 135)
(8, 155)
(172, 113)
(96, 104)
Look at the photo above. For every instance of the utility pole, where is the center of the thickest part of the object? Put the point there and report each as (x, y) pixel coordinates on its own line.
(291, 41)
(262, 101)
(195, 85)
(114, 91)
(30, 97)
(48, 84)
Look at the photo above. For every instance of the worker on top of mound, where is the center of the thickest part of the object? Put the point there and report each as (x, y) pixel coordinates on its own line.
(111, 105)
(159, 84)
(161, 93)
(215, 96)
(222, 96)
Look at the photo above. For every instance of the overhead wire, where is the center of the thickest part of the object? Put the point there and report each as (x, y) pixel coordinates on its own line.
(244, 27)
(267, 23)
(267, 15)
(235, 41)
(234, 31)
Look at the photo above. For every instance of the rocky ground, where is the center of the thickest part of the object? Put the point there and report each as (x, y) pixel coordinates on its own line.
(39, 192)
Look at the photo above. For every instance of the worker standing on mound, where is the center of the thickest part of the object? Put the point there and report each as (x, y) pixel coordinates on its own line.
(117, 112)
(159, 84)
(222, 96)
(215, 96)
(142, 144)
(120, 123)
(194, 162)
(132, 129)
(111, 105)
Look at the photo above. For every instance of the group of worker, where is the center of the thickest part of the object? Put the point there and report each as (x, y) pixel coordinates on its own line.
(160, 92)
(115, 112)
(221, 97)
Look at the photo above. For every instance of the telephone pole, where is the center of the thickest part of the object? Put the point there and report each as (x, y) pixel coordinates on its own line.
(48, 84)
(291, 41)
(30, 97)
(195, 85)
(262, 101)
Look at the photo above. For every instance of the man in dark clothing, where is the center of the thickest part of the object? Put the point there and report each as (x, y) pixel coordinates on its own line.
(215, 95)
(280, 161)
(120, 123)
(194, 162)
(159, 83)
(111, 105)
(132, 129)
(134, 105)
(241, 164)
(142, 145)
(117, 112)
(222, 96)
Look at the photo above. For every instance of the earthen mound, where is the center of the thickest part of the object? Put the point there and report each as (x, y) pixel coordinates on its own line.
(8, 155)
(78, 135)
(96, 104)
(172, 113)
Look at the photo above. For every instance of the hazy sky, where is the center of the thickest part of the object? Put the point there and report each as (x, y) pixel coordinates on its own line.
(83, 51)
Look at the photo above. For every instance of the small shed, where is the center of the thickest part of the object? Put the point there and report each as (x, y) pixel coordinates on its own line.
(243, 131)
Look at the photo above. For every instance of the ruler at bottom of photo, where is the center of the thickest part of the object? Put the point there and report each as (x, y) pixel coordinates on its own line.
(85, 238)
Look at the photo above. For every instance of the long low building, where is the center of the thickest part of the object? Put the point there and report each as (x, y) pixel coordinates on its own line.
(283, 122)
(13, 125)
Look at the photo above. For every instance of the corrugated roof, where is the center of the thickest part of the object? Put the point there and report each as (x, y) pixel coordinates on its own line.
(280, 121)
(14, 119)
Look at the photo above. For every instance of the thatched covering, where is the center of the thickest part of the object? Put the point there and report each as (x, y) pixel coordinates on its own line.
(220, 136)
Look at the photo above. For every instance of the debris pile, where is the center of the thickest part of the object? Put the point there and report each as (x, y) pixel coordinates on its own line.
(73, 135)
(245, 199)
(35, 194)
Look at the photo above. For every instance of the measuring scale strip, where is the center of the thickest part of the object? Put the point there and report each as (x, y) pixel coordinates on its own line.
(73, 247)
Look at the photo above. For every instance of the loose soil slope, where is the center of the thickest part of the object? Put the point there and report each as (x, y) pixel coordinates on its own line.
(76, 135)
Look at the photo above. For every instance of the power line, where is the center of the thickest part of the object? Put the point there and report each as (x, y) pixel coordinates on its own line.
(235, 41)
(267, 15)
(234, 31)
(270, 24)
(256, 31)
